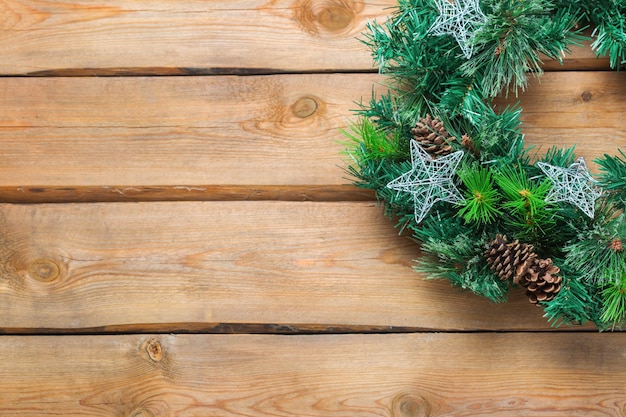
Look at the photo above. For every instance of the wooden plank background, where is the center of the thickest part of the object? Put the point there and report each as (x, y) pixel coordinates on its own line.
(402, 375)
(174, 167)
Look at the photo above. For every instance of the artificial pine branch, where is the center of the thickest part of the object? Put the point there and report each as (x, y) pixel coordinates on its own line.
(512, 39)
(562, 157)
(389, 113)
(452, 252)
(614, 303)
(498, 137)
(613, 178)
(574, 304)
(525, 201)
(369, 143)
(598, 253)
(481, 196)
(419, 65)
(609, 19)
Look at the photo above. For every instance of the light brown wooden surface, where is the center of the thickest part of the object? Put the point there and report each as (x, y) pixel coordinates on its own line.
(177, 131)
(184, 37)
(155, 37)
(150, 124)
(515, 374)
(119, 267)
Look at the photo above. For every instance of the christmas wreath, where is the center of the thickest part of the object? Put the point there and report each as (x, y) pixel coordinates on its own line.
(489, 212)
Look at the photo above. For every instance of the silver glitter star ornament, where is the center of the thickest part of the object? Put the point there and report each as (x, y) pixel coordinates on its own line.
(573, 184)
(429, 180)
(461, 19)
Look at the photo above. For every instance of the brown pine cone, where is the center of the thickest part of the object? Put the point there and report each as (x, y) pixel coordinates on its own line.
(432, 136)
(510, 260)
(542, 281)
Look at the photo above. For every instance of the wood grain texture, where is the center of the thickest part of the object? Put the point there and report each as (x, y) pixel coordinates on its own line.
(164, 138)
(86, 273)
(176, 131)
(191, 37)
(168, 266)
(91, 37)
(464, 375)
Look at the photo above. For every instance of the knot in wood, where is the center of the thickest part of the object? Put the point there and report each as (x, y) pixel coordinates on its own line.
(335, 18)
(154, 350)
(586, 96)
(141, 412)
(43, 270)
(304, 107)
(408, 405)
(330, 16)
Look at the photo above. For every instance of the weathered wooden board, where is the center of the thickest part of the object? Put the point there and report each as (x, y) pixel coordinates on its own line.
(212, 137)
(176, 131)
(86, 274)
(195, 265)
(191, 37)
(87, 37)
(409, 375)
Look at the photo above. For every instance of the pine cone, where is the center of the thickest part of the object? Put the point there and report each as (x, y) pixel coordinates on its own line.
(541, 281)
(432, 136)
(509, 260)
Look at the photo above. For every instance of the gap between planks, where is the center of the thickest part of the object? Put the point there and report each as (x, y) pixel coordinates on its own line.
(283, 329)
(115, 194)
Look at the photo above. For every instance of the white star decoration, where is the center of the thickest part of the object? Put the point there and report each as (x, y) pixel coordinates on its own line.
(430, 180)
(573, 184)
(461, 19)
